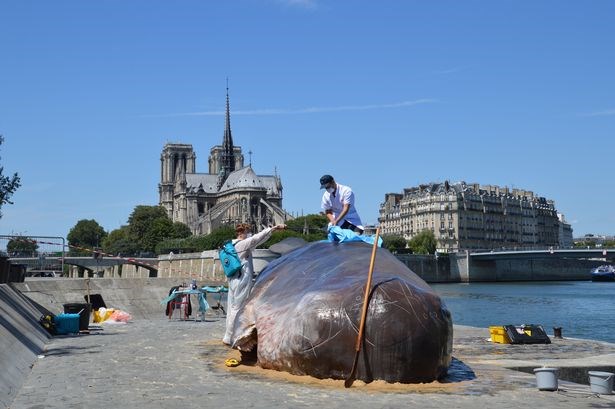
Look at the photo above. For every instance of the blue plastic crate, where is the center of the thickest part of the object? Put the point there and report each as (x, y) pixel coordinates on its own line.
(66, 323)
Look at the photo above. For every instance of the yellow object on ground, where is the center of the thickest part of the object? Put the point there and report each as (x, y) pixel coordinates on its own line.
(102, 314)
(231, 362)
(498, 335)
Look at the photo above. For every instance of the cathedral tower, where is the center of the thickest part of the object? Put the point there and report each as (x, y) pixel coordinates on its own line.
(176, 160)
(225, 158)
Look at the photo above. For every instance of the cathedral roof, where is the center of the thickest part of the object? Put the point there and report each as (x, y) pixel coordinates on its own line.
(242, 179)
(198, 181)
(272, 184)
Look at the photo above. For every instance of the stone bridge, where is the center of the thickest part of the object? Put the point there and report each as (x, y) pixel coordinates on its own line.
(89, 266)
(200, 266)
(604, 254)
(548, 264)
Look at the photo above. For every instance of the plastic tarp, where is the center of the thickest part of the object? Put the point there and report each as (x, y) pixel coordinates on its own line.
(337, 234)
(200, 292)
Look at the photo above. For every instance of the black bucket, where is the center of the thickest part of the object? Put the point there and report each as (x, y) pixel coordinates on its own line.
(84, 310)
(96, 300)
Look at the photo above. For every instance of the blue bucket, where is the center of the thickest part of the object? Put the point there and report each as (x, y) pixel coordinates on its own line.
(66, 323)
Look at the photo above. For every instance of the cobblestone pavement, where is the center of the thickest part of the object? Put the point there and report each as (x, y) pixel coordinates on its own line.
(159, 363)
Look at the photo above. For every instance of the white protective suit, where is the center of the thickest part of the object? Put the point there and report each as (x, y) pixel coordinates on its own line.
(240, 284)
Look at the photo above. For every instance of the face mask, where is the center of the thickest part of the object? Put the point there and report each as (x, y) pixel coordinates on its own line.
(330, 190)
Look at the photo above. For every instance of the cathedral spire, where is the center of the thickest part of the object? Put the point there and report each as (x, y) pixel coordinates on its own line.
(228, 150)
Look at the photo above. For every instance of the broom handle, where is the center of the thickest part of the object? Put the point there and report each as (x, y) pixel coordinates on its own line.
(368, 287)
(349, 381)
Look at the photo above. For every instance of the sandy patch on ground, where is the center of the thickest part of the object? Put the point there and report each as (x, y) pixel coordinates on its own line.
(376, 386)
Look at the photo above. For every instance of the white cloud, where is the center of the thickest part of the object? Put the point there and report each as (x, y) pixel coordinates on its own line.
(309, 110)
(450, 70)
(608, 112)
(308, 4)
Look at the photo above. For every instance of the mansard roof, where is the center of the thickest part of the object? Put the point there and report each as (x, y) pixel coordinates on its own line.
(436, 188)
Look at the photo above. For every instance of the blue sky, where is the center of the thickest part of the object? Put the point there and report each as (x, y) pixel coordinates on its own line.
(382, 95)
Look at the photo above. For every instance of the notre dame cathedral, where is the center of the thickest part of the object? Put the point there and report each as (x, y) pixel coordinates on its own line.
(230, 193)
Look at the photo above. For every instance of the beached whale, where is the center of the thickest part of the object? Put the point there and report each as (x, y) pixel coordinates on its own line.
(305, 308)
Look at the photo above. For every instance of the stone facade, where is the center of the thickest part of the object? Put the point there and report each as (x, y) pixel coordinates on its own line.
(469, 216)
(228, 194)
(565, 232)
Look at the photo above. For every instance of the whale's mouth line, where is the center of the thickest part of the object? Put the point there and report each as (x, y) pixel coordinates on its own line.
(247, 340)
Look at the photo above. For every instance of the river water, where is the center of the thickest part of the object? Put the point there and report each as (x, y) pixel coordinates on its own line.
(583, 309)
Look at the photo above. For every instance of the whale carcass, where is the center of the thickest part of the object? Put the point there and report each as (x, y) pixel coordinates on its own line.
(305, 308)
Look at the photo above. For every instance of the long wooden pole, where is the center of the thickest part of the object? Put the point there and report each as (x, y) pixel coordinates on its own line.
(87, 286)
(368, 286)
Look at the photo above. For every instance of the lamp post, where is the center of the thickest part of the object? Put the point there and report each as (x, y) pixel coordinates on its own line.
(41, 262)
(97, 256)
(171, 256)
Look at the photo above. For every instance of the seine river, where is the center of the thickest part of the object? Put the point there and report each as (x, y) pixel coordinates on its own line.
(583, 309)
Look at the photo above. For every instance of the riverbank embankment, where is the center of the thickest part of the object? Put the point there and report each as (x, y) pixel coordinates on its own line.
(154, 362)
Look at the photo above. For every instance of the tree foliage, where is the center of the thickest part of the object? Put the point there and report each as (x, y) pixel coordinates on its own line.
(147, 228)
(423, 243)
(21, 246)
(118, 243)
(141, 219)
(394, 243)
(315, 224)
(586, 243)
(87, 234)
(8, 185)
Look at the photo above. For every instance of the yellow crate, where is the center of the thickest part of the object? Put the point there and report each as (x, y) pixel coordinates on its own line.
(498, 335)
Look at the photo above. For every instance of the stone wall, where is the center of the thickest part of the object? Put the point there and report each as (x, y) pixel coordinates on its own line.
(22, 339)
(429, 268)
(205, 265)
(447, 268)
(459, 268)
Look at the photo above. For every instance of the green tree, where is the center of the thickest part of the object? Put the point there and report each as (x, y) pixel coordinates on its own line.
(21, 246)
(394, 243)
(141, 218)
(313, 223)
(150, 225)
(608, 243)
(585, 244)
(8, 185)
(423, 243)
(87, 234)
(176, 246)
(118, 243)
(213, 240)
(180, 230)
